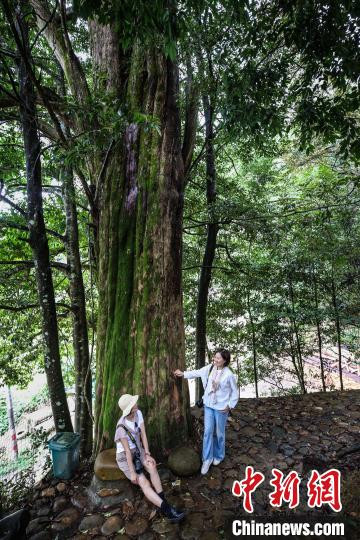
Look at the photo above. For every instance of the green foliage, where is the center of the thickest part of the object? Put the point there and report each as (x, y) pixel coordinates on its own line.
(24, 461)
(39, 446)
(14, 490)
(284, 223)
(20, 408)
(299, 69)
(280, 75)
(140, 20)
(37, 401)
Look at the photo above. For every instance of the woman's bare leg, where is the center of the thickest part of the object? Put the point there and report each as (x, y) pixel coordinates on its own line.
(148, 491)
(154, 476)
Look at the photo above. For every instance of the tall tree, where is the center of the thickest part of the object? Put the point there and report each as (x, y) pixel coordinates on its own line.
(83, 395)
(37, 232)
(211, 235)
(140, 329)
(134, 183)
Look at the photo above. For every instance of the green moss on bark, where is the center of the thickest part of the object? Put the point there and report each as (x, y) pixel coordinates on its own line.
(141, 333)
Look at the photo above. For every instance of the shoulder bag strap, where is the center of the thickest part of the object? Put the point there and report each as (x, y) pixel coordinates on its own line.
(131, 436)
(212, 365)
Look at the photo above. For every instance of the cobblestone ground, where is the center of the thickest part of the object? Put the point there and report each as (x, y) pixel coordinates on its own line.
(298, 433)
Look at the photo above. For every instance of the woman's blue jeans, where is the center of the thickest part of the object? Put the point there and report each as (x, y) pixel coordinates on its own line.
(214, 434)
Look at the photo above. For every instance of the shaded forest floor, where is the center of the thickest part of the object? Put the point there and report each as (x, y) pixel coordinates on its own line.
(297, 433)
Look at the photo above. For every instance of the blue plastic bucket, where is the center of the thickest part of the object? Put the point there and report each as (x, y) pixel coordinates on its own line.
(65, 449)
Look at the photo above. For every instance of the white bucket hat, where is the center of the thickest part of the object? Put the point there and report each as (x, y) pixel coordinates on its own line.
(126, 403)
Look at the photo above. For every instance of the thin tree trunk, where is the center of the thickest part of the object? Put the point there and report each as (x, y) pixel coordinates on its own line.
(238, 373)
(296, 331)
(337, 326)
(190, 123)
(210, 247)
(253, 338)
(140, 338)
(38, 240)
(319, 332)
(293, 359)
(11, 421)
(83, 398)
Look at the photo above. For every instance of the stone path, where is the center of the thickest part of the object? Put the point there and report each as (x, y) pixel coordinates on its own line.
(290, 433)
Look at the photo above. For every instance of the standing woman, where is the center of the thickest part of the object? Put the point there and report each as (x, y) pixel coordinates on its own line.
(131, 440)
(220, 396)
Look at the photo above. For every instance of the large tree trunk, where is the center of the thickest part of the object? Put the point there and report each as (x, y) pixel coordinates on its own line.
(38, 239)
(83, 419)
(210, 247)
(140, 338)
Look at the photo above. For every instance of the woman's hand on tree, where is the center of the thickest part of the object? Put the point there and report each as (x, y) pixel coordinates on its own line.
(178, 373)
(134, 478)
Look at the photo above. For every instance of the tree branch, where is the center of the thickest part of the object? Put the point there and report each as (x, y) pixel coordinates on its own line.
(18, 308)
(23, 53)
(32, 306)
(30, 264)
(13, 225)
(58, 40)
(102, 172)
(48, 130)
(11, 203)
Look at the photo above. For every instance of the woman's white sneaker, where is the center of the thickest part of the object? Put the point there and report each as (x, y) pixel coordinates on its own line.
(217, 461)
(206, 466)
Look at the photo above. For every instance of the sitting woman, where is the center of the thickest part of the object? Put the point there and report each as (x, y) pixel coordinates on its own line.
(132, 452)
(220, 396)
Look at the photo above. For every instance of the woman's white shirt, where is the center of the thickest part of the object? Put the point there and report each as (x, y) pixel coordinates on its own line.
(121, 432)
(226, 395)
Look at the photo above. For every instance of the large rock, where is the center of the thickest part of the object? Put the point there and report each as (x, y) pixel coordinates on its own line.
(136, 527)
(37, 525)
(121, 489)
(67, 519)
(184, 461)
(91, 522)
(60, 503)
(42, 535)
(112, 525)
(105, 466)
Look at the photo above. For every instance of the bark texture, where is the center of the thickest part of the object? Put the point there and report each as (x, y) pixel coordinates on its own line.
(140, 324)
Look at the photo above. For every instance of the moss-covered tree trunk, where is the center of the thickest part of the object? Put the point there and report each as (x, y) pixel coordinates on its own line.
(140, 337)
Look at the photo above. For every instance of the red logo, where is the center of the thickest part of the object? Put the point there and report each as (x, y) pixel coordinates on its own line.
(247, 486)
(321, 488)
(324, 489)
(286, 490)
